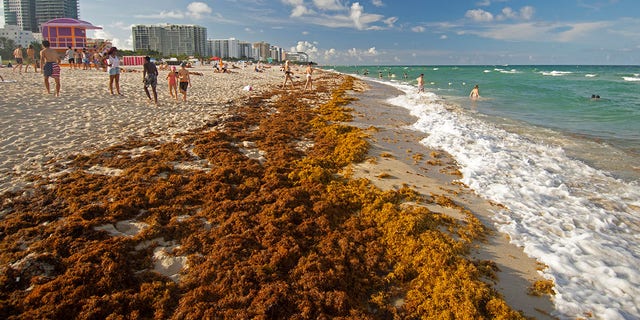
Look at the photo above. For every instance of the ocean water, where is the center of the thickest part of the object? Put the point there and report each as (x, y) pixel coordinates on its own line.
(566, 166)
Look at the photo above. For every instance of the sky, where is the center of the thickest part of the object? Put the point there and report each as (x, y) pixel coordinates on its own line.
(400, 32)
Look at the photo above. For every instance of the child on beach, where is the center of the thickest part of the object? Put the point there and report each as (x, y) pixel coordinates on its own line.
(173, 82)
(150, 78)
(185, 81)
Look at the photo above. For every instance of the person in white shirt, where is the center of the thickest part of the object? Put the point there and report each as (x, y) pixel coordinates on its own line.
(113, 63)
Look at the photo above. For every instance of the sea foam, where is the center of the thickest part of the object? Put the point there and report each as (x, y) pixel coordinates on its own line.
(580, 222)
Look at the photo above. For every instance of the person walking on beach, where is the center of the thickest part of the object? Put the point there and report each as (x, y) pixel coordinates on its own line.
(185, 81)
(475, 93)
(421, 83)
(113, 62)
(309, 72)
(150, 78)
(50, 66)
(31, 59)
(17, 53)
(287, 75)
(173, 82)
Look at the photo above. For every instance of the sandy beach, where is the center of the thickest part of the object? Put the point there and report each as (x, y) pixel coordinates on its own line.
(209, 208)
(39, 130)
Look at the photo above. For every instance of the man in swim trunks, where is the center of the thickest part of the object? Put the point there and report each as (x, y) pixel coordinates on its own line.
(150, 78)
(49, 60)
(17, 53)
(31, 59)
(184, 80)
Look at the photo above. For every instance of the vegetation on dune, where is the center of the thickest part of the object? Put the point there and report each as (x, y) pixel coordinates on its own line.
(290, 238)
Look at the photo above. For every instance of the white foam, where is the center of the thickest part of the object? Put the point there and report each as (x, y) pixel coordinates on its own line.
(589, 75)
(555, 73)
(579, 221)
(631, 78)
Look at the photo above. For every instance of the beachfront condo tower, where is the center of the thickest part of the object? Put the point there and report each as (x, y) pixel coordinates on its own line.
(29, 15)
(171, 39)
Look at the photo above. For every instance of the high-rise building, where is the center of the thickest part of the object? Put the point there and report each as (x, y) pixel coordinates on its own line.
(31, 14)
(171, 39)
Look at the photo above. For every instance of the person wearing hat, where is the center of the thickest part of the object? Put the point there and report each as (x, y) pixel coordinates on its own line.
(113, 63)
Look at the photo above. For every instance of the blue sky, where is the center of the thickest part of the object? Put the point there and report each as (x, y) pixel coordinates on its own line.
(403, 32)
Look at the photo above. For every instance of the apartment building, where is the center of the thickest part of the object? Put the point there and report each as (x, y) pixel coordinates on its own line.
(171, 39)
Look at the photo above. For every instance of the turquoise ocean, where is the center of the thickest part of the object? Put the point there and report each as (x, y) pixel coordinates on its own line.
(566, 166)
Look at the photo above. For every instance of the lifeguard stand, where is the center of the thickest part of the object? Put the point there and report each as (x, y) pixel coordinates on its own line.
(63, 33)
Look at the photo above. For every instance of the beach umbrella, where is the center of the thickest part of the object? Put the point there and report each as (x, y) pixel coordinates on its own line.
(215, 58)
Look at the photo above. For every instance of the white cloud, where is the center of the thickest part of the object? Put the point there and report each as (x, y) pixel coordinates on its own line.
(377, 3)
(309, 48)
(444, 37)
(304, 33)
(527, 12)
(418, 29)
(372, 51)
(390, 21)
(328, 4)
(355, 14)
(173, 14)
(542, 32)
(198, 10)
(299, 8)
(479, 15)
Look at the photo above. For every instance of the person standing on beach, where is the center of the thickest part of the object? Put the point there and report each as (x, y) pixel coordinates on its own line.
(287, 75)
(309, 72)
(185, 81)
(31, 59)
(173, 82)
(113, 62)
(49, 62)
(475, 93)
(150, 78)
(421, 83)
(70, 57)
(17, 53)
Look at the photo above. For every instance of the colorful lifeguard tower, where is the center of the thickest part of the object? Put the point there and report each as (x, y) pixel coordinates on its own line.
(63, 33)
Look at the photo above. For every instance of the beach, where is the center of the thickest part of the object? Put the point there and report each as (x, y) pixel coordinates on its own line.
(197, 208)
(40, 130)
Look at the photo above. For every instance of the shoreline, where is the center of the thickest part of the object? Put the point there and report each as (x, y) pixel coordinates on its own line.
(122, 222)
(398, 152)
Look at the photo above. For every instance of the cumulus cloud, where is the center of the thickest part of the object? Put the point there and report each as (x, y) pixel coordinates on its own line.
(418, 29)
(355, 14)
(372, 51)
(173, 14)
(198, 10)
(377, 3)
(305, 46)
(479, 15)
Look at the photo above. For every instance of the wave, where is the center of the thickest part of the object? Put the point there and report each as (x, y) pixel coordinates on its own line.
(577, 220)
(555, 73)
(589, 75)
(506, 71)
(631, 78)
